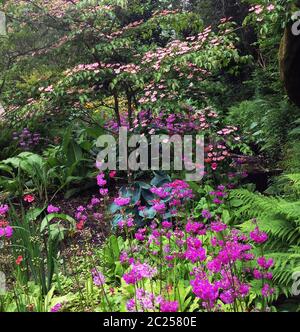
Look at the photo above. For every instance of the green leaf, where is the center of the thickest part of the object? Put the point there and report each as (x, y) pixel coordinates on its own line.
(32, 214)
(148, 213)
(116, 220)
(236, 202)
(226, 216)
(46, 221)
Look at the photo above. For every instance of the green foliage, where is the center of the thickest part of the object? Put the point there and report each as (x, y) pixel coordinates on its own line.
(266, 124)
(62, 167)
(25, 171)
(37, 240)
(280, 219)
(140, 195)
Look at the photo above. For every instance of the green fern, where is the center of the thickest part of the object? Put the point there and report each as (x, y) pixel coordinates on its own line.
(280, 219)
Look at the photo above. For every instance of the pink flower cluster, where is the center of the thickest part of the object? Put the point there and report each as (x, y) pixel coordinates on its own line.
(171, 196)
(53, 209)
(258, 9)
(220, 260)
(3, 210)
(145, 301)
(101, 182)
(177, 48)
(121, 201)
(138, 272)
(195, 252)
(228, 287)
(258, 236)
(5, 229)
(90, 211)
(98, 278)
(56, 308)
(217, 149)
(96, 67)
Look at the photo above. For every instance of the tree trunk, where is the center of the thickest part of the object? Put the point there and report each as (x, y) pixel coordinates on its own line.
(289, 56)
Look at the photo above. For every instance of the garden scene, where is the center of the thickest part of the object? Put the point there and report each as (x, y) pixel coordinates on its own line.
(208, 219)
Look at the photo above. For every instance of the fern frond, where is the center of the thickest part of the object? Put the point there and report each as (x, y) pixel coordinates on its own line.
(280, 219)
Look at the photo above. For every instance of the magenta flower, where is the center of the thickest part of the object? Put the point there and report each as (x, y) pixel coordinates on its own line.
(217, 226)
(264, 263)
(228, 296)
(81, 208)
(204, 290)
(98, 278)
(4, 209)
(95, 201)
(268, 275)
(130, 305)
(53, 209)
(258, 236)
(100, 180)
(124, 257)
(257, 274)
(56, 308)
(267, 290)
(98, 216)
(206, 214)
(195, 255)
(194, 227)
(138, 272)
(217, 201)
(130, 222)
(159, 207)
(103, 192)
(81, 215)
(139, 236)
(160, 192)
(120, 201)
(244, 290)
(169, 306)
(167, 224)
(195, 252)
(214, 265)
(7, 232)
(146, 300)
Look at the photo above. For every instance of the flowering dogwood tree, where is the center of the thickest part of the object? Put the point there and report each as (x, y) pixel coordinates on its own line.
(161, 61)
